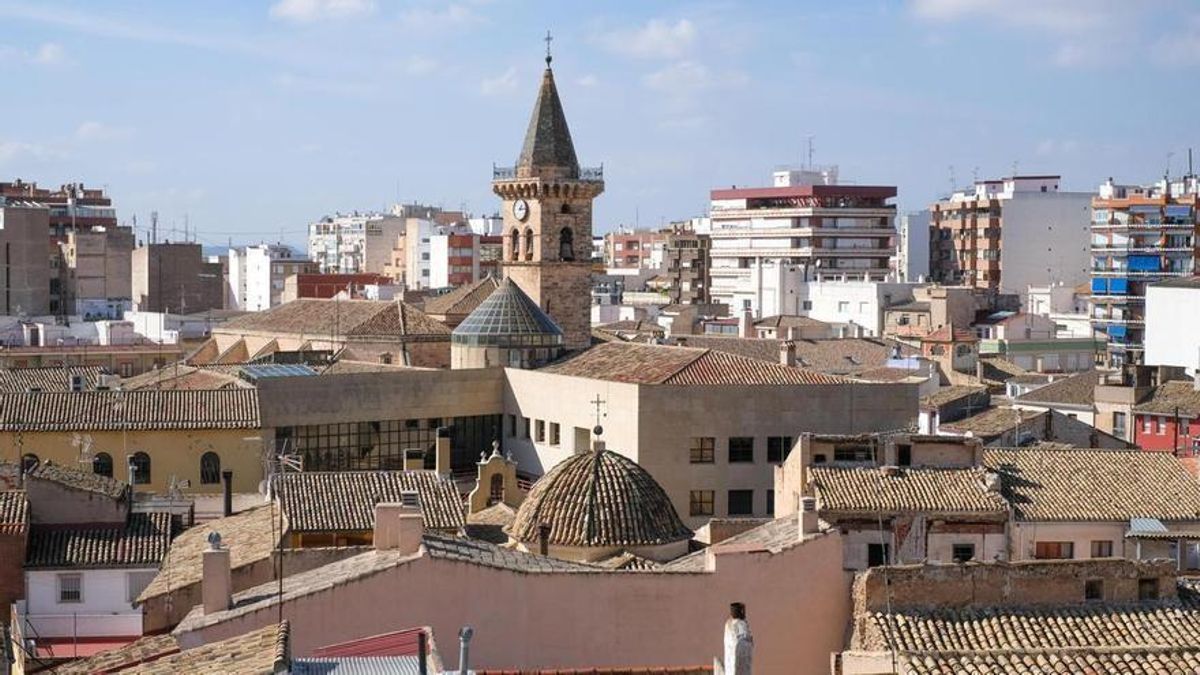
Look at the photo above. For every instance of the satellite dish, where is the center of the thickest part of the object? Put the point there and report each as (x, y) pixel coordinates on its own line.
(262, 488)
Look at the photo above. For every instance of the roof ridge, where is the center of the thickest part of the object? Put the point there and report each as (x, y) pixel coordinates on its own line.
(704, 352)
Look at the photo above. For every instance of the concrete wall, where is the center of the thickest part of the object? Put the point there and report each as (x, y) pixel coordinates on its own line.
(175, 278)
(1045, 238)
(1025, 536)
(1172, 336)
(52, 503)
(25, 282)
(105, 592)
(581, 620)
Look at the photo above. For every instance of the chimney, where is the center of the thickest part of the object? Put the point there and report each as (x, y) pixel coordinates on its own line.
(216, 582)
(746, 324)
(787, 353)
(443, 451)
(739, 643)
(464, 649)
(227, 478)
(399, 526)
(979, 369)
(414, 460)
(808, 517)
(544, 539)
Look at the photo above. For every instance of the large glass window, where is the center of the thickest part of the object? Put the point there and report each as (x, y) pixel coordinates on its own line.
(741, 449)
(700, 502)
(778, 448)
(741, 502)
(702, 449)
(380, 445)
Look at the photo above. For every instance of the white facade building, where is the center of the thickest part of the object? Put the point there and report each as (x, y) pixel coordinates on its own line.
(912, 253)
(354, 243)
(1173, 324)
(768, 241)
(104, 607)
(256, 276)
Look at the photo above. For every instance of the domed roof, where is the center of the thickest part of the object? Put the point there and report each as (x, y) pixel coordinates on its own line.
(508, 318)
(599, 498)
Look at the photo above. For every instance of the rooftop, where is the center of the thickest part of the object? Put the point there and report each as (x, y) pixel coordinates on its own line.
(140, 651)
(904, 489)
(508, 317)
(323, 319)
(79, 480)
(344, 501)
(260, 652)
(599, 499)
(655, 364)
(788, 321)
(143, 409)
(991, 421)
(955, 393)
(141, 541)
(14, 512)
(834, 355)
(462, 300)
(1170, 398)
(1052, 484)
(548, 139)
(1076, 390)
(48, 378)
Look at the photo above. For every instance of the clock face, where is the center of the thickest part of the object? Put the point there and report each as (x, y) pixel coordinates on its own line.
(521, 209)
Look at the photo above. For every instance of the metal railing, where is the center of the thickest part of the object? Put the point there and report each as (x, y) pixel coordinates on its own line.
(585, 172)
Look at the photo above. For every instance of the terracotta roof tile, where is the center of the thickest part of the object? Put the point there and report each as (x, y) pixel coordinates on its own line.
(260, 652)
(142, 650)
(904, 489)
(654, 364)
(49, 378)
(318, 318)
(599, 499)
(336, 501)
(1169, 396)
(79, 480)
(954, 393)
(1124, 661)
(144, 409)
(1079, 390)
(835, 355)
(14, 512)
(1094, 485)
(992, 421)
(141, 541)
(462, 300)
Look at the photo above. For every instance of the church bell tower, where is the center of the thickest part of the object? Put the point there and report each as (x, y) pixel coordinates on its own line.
(547, 210)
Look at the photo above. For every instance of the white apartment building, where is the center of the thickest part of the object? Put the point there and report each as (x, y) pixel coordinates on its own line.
(1173, 324)
(768, 241)
(256, 275)
(912, 252)
(354, 243)
(855, 306)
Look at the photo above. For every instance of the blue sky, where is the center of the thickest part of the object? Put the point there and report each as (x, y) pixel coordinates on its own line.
(255, 118)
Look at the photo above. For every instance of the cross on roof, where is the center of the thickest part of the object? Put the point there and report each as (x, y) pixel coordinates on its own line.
(548, 39)
(598, 402)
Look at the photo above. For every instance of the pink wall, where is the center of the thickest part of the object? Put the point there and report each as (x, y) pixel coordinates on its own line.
(798, 606)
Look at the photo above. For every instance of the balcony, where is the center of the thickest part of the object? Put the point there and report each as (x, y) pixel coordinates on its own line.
(588, 173)
(65, 636)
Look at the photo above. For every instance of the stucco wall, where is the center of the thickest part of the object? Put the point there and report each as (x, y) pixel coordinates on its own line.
(587, 620)
(1026, 535)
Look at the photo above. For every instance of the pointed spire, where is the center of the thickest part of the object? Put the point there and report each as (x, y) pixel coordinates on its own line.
(548, 149)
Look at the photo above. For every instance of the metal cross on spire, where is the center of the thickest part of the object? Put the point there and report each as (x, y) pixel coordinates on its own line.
(598, 402)
(549, 38)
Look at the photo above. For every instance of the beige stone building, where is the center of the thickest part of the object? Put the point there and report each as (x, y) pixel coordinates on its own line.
(25, 286)
(174, 277)
(99, 267)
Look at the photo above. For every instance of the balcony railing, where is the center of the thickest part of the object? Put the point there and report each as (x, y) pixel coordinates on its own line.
(82, 625)
(595, 173)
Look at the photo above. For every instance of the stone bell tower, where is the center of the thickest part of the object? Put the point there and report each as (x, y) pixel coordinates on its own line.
(548, 218)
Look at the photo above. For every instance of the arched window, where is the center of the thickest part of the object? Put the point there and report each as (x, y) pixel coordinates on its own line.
(102, 464)
(140, 463)
(210, 468)
(566, 244)
(528, 243)
(566, 208)
(515, 245)
(496, 492)
(29, 462)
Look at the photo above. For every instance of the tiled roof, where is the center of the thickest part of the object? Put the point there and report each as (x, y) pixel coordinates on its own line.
(999, 369)
(788, 321)
(323, 319)
(115, 410)
(142, 650)
(904, 489)
(548, 140)
(1085, 485)
(79, 480)
(835, 355)
(183, 376)
(1078, 390)
(1031, 378)
(260, 652)
(992, 421)
(599, 499)
(654, 364)
(775, 535)
(622, 670)
(624, 328)
(14, 512)
(491, 555)
(1171, 396)
(1087, 661)
(333, 501)
(141, 541)
(888, 374)
(48, 378)
(950, 333)
(462, 300)
(508, 317)
(951, 394)
(250, 536)
(628, 561)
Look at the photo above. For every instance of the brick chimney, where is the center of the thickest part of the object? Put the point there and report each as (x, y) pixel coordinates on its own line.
(399, 526)
(746, 324)
(787, 353)
(216, 581)
(808, 517)
(443, 451)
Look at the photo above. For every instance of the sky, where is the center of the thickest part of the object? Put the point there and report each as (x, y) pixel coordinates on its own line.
(250, 119)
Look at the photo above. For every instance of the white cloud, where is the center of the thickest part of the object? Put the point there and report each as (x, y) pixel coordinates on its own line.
(1053, 147)
(451, 16)
(683, 78)
(1055, 16)
(49, 54)
(657, 39)
(308, 11)
(419, 65)
(19, 150)
(98, 131)
(1181, 48)
(587, 81)
(502, 83)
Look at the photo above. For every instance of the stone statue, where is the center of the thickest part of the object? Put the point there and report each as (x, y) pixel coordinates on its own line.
(739, 643)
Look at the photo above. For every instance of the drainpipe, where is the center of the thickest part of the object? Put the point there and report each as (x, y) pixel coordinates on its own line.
(227, 477)
(464, 641)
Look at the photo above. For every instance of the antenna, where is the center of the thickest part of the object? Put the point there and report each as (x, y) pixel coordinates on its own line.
(1167, 173)
(810, 152)
(953, 182)
(1015, 164)
(549, 38)
(154, 227)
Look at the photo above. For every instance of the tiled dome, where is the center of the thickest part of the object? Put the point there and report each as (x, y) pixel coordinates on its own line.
(508, 318)
(599, 499)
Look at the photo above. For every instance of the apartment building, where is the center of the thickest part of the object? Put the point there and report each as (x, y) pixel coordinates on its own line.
(258, 274)
(354, 243)
(912, 253)
(1005, 235)
(458, 258)
(766, 241)
(97, 265)
(1140, 235)
(25, 280)
(174, 277)
(626, 248)
(687, 265)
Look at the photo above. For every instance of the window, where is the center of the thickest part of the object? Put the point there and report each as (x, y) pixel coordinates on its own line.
(1102, 549)
(853, 453)
(877, 554)
(29, 462)
(126, 369)
(1147, 589)
(135, 583)
(412, 424)
(529, 244)
(139, 463)
(778, 448)
(741, 502)
(102, 464)
(1162, 425)
(512, 425)
(210, 468)
(807, 304)
(770, 502)
(1147, 421)
(566, 244)
(700, 502)
(904, 455)
(1093, 589)
(702, 449)
(496, 490)
(515, 245)
(1118, 424)
(741, 449)
(70, 588)
(962, 552)
(527, 425)
(554, 433)
(843, 306)
(1054, 550)
(539, 428)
